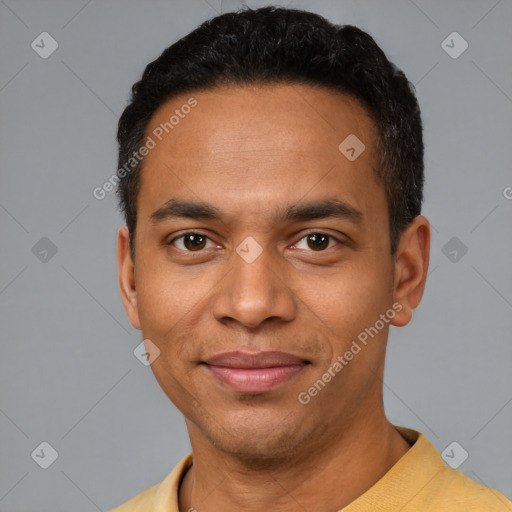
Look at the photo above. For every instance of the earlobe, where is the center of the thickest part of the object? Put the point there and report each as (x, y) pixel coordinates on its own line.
(411, 267)
(126, 277)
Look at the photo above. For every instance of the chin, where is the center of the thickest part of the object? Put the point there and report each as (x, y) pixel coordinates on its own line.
(257, 453)
(258, 441)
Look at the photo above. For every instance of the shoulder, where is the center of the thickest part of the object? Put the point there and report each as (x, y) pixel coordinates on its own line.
(421, 481)
(437, 486)
(453, 490)
(141, 503)
(162, 497)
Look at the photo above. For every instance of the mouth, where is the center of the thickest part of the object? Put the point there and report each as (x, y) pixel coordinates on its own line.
(254, 373)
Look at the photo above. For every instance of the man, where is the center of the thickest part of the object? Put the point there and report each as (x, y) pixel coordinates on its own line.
(271, 176)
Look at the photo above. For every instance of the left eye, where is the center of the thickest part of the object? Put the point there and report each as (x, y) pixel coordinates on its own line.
(316, 241)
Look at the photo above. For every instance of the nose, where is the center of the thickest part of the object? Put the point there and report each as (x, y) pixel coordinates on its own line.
(254, 292)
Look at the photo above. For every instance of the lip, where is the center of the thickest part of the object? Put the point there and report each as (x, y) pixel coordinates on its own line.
(254, 373)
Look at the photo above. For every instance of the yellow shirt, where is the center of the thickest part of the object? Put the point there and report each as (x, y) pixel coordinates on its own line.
(419, 482)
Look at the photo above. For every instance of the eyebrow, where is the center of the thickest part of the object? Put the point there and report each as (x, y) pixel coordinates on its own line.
(313, 210)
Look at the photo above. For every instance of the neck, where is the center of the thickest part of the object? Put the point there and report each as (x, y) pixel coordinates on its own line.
(321, 478)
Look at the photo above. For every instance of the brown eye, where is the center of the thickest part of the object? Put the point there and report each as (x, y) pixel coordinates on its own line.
(190, 242)
(317, 242)
(193, 242)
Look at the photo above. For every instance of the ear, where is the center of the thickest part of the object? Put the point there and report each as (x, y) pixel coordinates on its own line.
(126, 276)
(411, 266)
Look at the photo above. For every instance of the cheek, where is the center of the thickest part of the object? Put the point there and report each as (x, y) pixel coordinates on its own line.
(157, 302)
(354, 298)
(173, 311)
(165, 297)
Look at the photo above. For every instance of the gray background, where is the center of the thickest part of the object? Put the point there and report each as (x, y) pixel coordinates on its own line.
(68, 373)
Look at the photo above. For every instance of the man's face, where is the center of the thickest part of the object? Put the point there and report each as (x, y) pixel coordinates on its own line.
(252, 153)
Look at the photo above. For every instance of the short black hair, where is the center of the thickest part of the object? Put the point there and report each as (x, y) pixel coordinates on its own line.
(274, 45)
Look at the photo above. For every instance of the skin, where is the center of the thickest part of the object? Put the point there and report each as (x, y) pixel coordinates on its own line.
(251, 152)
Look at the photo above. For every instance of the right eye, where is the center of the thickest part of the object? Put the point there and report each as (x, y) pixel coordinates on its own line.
(190, 242)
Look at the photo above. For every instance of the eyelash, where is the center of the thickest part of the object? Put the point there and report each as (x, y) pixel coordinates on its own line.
(171, 242)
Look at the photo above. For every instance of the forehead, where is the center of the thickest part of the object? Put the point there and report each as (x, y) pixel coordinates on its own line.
(255, 144)
(262, 117)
